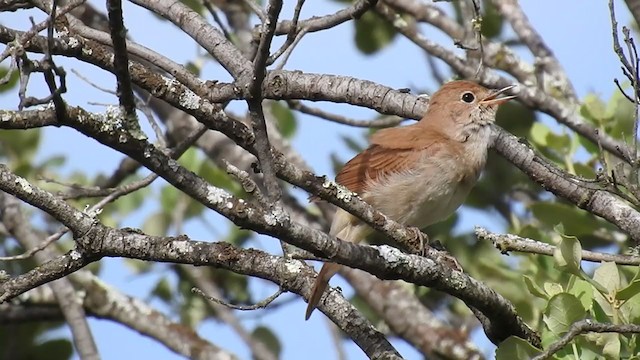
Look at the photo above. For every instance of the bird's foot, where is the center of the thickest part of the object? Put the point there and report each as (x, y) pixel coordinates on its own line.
(419, 241)
(442, 254)
(450, 261)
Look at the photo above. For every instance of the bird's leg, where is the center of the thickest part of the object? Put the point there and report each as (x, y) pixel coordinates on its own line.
(445, 257)
(425, 244)
(450, 261)
(419, 241)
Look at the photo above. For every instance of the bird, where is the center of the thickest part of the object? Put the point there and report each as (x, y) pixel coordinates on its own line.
(418, 174)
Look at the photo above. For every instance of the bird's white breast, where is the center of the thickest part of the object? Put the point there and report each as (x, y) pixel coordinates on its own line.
(434, 188)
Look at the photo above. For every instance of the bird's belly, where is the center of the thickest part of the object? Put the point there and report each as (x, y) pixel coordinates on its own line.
(421, 201)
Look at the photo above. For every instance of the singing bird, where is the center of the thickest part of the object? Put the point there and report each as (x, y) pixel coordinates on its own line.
(418, 174)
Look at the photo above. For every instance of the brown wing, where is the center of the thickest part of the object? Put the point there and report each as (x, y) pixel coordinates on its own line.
(392, 150)
(373, 163)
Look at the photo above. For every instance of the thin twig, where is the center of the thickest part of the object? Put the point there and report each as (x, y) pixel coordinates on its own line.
(477, 30)
(259, 305)
(289, 49)
(29, 253)
(585, 326)
(292, 37)
(383, 122)
(249, 186)
(199, 278)
(115, 194)
(510, 242)
(318, 23)
(253, 5)
(216, 18)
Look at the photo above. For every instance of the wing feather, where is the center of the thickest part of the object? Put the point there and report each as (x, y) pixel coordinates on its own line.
(392, 151)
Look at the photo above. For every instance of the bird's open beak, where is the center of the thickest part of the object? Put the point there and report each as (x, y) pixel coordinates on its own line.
(493, 99)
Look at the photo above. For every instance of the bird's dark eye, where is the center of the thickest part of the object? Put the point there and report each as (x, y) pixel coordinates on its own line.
(468, 97)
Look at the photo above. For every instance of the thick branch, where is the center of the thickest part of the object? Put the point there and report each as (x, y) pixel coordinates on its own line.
(591, 198)
(63, 289)
(417, 325)
(505, 321)
(204, 34)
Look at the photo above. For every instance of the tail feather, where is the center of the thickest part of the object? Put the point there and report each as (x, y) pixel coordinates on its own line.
(327, 271)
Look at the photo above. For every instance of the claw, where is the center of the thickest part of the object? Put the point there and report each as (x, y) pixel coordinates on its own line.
(421, 238)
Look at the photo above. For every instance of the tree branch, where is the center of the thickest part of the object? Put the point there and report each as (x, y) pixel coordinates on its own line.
(63, 289)
(585, 326)
(509, 242)
(121, 64)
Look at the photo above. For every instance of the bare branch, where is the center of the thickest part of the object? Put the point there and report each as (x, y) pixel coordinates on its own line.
(198, 278)
(121, 65)
(63, 290)
(422, 328)
(259, 305)
(254, 101)
(204, 34)
(384, 122)
(545, 58)
(318, 23)
(585, 326)
(510, 242)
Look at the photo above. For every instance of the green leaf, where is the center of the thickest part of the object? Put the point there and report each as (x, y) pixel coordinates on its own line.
(55, 161)
(552, 288)
(267, 337)
(157, 224)
(352, 144)
(630, 310)
(13, 79)
(538, 134)
(607, 281)
(373, 33)
(582, 290)
(608, 276)
(516, 348)
(190, 160)
(609, 343)
(563, 310)
(491, 20)
(512, 110)
(534, 288)
(53, 349)
(163, 290)
(584, 170)
(594, 109)
(238, 236)
(598, 312)
(20, 145)
(194, 309)
(560, 142)
(286, 119)
(193, 68)
(630, 290)
(219, 178)
(132, 201)
(623, 113)
(568, 253)
(576, 221)
(195, 5)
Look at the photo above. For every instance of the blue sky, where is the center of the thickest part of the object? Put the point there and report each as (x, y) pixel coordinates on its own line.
(577, 31)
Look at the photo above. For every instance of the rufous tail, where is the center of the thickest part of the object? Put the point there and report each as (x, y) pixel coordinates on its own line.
(327, 271)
